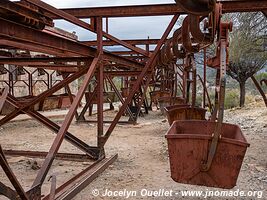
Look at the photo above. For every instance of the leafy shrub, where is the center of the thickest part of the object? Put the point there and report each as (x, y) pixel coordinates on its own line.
(231, 99)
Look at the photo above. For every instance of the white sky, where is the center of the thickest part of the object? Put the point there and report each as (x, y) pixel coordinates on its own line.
(97, 3)
(123, 28)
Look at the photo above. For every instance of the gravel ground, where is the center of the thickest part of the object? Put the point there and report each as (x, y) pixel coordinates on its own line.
(143, 156)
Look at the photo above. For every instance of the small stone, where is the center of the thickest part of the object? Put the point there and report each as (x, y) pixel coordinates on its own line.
(35, 165)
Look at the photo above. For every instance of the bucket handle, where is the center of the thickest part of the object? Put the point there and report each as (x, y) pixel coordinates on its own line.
(218, 128)
(191, 84)
(194, 79)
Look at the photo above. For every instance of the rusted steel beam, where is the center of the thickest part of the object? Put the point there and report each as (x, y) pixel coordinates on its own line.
(52, 194)
(127, 45)
(143, 96)
(3, 97)
(39, 154)
(160, 9)
(83, 24)
(44, 60)
(8, 192)
(9, 43)
(204, 82)
(72, 187)
(49, 63)
(61, 33)
(24, 15)
(100, 80)
(61, 68)
(126, 52)
(90, 151)
(229, 6)
(68, 90)
(61, 14)
(63, 129)
(122, 73)
(123, 61)
(149, 64)
(132, 42)
(40, 97)
(123, 11)
(81, 117)
(15, 31)
(11, 31)
(11, 176)
(120, 97)
(57, 67)
(108, 122)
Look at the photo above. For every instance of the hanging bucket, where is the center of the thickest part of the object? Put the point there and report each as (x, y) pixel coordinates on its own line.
(188, 145)
(50, 103)
(155, 95)
(168, 101)
(184, 112)
(125, 92)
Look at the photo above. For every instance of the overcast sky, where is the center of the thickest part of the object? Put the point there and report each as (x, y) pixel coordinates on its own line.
(123, 28)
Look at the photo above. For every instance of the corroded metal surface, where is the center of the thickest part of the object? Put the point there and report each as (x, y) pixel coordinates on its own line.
(23, 32)
(188, 143)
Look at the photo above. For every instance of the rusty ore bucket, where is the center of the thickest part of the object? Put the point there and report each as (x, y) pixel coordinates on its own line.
(188, 144)
(125, 92)
(168, 101)
(157, 94)
(184, 112)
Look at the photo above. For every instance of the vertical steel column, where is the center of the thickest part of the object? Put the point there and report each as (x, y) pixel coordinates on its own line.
(143, 96)
(30, 84)
(63, 129)
(100, 80)
(175, 79)
(107, 24)
(149, 64)
(67, 88)
(87, 105)
(113, 86)
(204, 77)
(184, 80)
(194, 80)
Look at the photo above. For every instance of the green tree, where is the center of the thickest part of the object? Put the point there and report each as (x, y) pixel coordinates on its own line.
(248, 46)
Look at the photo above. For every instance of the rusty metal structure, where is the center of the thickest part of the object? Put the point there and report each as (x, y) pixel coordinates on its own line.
(260, 89)
(169, 71)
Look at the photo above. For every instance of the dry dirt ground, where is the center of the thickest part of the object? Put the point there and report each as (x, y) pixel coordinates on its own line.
(143, 155)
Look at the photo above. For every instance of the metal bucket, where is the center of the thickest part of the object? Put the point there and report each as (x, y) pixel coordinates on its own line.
(155, 95)
(168, 101)
(50, 103)
(188, 145)
(184, 112)
(8, 108)
(125, 92)
(64, 101)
